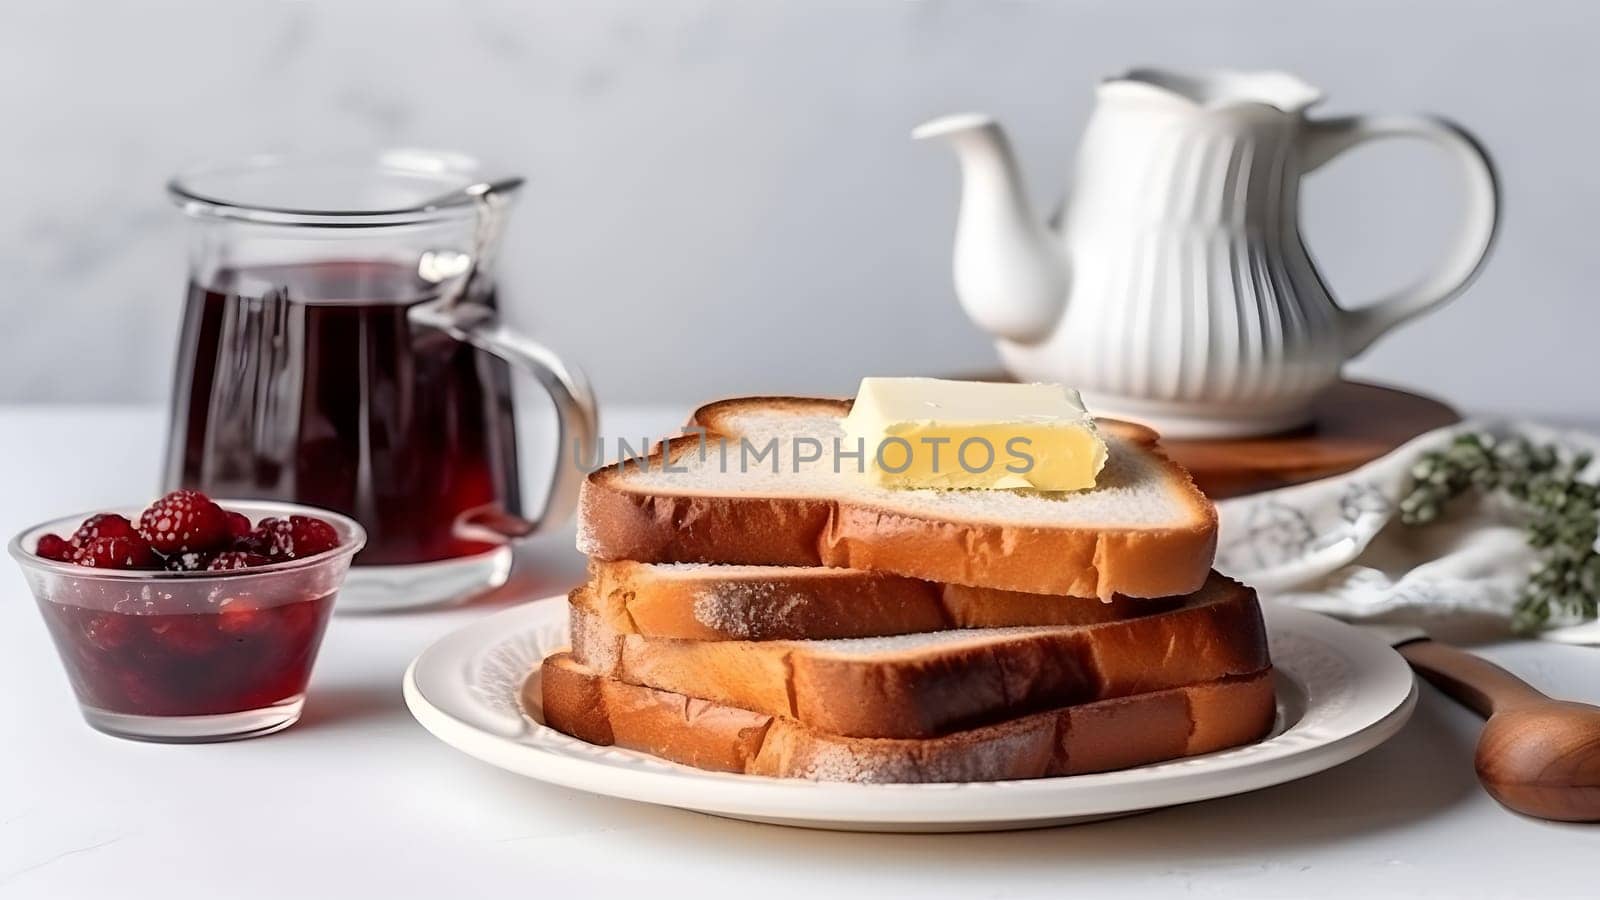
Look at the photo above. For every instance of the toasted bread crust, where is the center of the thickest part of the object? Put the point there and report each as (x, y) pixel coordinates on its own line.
(929, 689)
(1094, 737)
(720, 603)
(620, 521)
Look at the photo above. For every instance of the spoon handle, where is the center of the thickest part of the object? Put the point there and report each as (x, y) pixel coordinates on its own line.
(1480, 685)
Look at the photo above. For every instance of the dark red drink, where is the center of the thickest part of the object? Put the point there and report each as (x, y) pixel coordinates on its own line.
(308, 383)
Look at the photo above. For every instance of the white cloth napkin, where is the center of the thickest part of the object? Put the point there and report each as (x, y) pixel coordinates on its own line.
(1337, 545)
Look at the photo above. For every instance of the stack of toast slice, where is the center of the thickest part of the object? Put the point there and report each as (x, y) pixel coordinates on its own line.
(788, 618)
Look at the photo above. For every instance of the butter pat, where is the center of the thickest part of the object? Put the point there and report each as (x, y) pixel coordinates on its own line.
(932, 433)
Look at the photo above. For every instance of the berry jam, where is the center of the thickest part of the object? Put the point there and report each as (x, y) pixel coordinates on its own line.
(238, 657)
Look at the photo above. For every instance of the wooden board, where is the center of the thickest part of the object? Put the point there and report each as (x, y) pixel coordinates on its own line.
(1355, 423)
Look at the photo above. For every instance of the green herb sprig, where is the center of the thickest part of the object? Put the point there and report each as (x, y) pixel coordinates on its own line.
(1560, 508)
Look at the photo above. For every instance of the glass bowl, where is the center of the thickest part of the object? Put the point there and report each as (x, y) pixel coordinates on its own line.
(186, 657)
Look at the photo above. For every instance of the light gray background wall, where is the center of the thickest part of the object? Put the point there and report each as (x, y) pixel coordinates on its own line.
(723, 195)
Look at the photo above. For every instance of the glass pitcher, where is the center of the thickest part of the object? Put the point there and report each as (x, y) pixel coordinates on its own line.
(341, 347)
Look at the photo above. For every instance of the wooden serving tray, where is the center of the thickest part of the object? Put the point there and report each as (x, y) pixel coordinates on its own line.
(1354, 423)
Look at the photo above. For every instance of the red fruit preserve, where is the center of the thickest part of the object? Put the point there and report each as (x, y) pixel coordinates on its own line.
(238, 657)
(308, 383)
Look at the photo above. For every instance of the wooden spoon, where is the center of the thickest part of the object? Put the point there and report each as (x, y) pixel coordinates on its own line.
(1537, 756)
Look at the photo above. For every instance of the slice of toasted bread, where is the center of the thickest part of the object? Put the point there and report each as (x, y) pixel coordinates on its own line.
(703, 602)
(1092, 737)
(928, 684)
(1143, 531)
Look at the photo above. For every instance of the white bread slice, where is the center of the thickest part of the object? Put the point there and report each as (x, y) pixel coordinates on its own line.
(704, 602)
(1092, 737)
(928, 684)
(1144, 531)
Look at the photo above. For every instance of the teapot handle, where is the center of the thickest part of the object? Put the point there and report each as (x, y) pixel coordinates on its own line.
(1322, 140)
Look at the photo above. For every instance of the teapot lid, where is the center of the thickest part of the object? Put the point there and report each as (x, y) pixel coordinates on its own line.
(1217, 88)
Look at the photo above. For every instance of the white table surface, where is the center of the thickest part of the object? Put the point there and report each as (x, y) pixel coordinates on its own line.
(357, 800)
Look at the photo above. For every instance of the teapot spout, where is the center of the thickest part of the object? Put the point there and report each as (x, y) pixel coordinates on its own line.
(1010, 274)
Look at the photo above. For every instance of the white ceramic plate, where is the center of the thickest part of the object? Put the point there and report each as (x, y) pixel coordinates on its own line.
(1340, 693)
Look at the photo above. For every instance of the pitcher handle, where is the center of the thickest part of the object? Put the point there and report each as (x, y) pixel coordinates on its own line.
(1324, 139)
(577, 420)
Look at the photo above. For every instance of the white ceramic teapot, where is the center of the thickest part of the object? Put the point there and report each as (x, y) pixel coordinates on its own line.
(1174, 288)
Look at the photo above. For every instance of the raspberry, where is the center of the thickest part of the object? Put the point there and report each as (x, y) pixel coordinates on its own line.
(115, 553)
(189, 635)
(184, 521)
(257, 542)
(103, 525)
(54, 546)
(295, 537)
(187, 562)
(107, 631)
(238, 615)
(229, 560)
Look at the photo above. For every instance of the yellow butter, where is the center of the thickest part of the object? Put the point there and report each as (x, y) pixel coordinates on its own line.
(933, 433)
